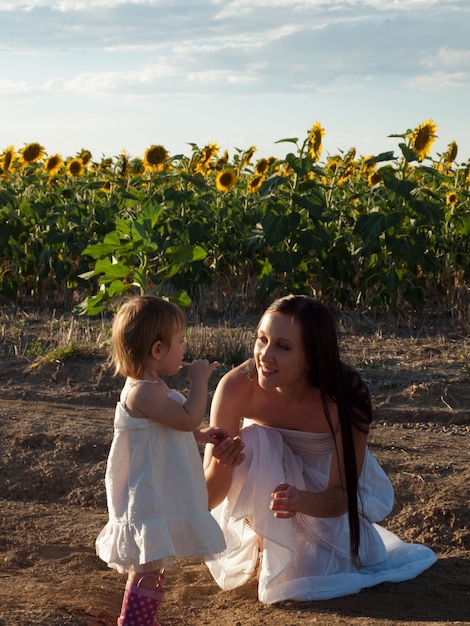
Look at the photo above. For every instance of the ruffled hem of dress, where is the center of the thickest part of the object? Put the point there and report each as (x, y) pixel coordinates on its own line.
(122, 545)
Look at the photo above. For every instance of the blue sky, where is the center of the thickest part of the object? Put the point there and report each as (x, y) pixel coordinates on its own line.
(108, 75)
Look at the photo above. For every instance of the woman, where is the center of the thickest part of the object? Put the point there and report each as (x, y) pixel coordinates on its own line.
(296, 490)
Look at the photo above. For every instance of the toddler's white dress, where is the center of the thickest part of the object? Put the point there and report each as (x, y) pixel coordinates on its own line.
(303, 557)
(157, 495)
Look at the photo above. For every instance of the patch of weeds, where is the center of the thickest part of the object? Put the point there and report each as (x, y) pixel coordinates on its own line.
(36, 347)
(67, 353)
(371, 364)
(230, 346)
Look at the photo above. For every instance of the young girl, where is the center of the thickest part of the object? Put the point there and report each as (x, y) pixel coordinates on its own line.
(157, 496)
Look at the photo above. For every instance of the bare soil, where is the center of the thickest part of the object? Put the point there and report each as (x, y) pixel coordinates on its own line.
(56, 425)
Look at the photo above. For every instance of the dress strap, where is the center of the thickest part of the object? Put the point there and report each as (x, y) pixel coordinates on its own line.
(128, 387)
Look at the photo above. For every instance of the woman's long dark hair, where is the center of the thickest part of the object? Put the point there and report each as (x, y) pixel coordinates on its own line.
(337, 382)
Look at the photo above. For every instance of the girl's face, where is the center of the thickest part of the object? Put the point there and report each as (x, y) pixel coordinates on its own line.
(279, 352)
(172, 354)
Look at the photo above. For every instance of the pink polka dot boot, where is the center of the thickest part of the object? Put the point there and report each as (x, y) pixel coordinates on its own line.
(140, 604)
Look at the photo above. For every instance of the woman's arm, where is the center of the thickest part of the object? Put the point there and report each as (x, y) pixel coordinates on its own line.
(230, 399)
(287, 500)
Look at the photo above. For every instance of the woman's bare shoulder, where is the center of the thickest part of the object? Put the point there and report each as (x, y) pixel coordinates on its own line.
(243, 372)
(238, 379)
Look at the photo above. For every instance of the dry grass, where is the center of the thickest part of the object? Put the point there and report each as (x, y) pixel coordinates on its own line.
(370, 343)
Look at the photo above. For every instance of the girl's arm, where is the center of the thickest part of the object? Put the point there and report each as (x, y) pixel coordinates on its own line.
(287, 500)
(152, 401)
(210, 435)
(229, 399)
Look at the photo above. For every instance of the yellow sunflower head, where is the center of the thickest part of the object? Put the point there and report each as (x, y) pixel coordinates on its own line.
(225, 180)
(451, 153)
(223, 160)
(262, 166)
(345, 175)
(75, 167)
(107, 186)
(374, 178)
(248, 155)
(209, 152)
(31, 153)
(423, 137)
(154, 157)
(105, 165)
(315, 141)
(7, 159)
(84, 156)
(53, 164)
(123, 164)
(333, 164)
(255, 183)
(366, 165)
(200, 167)
(452, 198)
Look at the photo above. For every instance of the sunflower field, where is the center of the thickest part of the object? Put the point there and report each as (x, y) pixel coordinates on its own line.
(379, 232)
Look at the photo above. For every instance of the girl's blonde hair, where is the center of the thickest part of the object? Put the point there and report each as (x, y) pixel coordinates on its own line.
(140, 322)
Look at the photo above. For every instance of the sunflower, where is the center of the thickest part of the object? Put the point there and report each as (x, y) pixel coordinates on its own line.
(345, 175)
(452, 198)
(154, 157)
(7, 158)
(423, 137)
(75, 167)
(84, 156)
(350, 155)
(248, 156)
(209, 152)
(466, 173)
(374, 178)
(223, 160)
(137, 166)
(31, 153)
(225, 180)
(105, 165)
(255, 183)
(333, 164)
(366, 165)
(107, 186)
(451, 153)
(53, 164)
(123, 164)
(315, 137)
(261, 166)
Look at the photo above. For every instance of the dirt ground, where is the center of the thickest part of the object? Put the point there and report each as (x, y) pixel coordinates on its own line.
(56, 427)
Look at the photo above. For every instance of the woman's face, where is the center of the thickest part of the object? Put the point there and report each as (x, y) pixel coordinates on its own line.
(279, 352)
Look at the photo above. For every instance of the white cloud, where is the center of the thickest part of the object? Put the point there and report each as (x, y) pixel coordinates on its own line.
(325, 54)
(11, 88)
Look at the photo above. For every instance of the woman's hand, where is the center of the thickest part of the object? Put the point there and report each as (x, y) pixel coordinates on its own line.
(285, 501)
(229, 451)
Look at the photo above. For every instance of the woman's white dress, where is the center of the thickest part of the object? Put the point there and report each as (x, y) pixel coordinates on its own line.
(306, 558)
(157, 496)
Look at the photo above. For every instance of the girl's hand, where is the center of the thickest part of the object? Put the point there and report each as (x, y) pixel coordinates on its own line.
(201, 369)
(210, 435)
(229, 451)
(285, 501)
